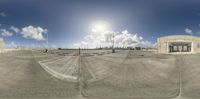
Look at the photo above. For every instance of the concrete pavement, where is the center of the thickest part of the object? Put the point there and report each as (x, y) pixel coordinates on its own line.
(24, 78)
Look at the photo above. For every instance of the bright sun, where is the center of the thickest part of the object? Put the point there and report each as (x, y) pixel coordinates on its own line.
(100, 26)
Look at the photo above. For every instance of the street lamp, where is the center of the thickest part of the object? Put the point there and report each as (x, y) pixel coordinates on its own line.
(47, 41)
(113, 45)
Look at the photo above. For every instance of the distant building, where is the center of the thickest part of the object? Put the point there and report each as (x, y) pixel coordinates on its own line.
(178, 44)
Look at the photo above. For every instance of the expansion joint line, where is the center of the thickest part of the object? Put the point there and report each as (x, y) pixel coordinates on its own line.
(80, 77)
(127, 56)
(180, 78)
(179, 64)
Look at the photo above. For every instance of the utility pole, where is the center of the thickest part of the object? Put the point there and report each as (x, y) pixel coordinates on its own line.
(113, 41)
(46, 48)
(79, 51)
(47, 41)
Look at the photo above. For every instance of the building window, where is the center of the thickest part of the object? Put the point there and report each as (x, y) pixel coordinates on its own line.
(175, 48)
(198, 45)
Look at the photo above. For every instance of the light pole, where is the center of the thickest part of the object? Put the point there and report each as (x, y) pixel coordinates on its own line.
(113, 45)
(47, 41)
(46, 49)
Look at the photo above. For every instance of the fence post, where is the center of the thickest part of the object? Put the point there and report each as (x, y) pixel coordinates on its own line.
(79, 51)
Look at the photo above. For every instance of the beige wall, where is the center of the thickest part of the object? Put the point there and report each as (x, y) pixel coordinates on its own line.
(162, 42)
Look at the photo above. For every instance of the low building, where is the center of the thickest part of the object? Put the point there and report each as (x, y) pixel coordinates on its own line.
(178, 44)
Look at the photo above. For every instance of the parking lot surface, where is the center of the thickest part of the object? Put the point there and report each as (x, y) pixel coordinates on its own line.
(99, 74)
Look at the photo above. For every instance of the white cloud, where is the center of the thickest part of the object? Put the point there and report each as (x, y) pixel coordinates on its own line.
(104, 39)
(5, 32)
(15, 29)
(188, 31)
(147, 44)
(2, 14)
(53, 46)
(11, 45)
(126, 39)
(31, 32)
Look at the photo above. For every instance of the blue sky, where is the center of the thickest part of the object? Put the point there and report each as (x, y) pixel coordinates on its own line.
(68, 21)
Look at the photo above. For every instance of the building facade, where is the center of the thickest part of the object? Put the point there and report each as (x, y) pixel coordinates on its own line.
(178, 44)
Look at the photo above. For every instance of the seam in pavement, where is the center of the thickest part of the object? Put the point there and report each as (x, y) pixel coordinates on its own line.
(58, 75)
(86, 64)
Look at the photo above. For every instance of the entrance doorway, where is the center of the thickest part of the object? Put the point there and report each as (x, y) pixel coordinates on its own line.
(179, 47)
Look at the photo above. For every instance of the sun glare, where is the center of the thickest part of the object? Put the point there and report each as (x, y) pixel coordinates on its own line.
(100, 26)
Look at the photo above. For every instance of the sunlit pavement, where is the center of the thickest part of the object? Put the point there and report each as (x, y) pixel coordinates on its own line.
(107, 76)
(23, 77)
(65, 68)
